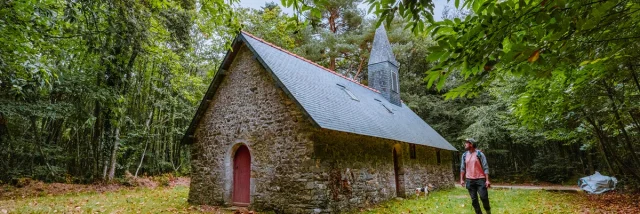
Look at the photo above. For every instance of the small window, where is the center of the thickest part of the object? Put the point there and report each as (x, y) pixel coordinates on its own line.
(394, 82)
(388, 109)
(412, 151)
(438, 156)
(353, 97)
(385, 107)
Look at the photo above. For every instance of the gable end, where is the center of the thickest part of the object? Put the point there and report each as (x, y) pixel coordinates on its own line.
(238, 42)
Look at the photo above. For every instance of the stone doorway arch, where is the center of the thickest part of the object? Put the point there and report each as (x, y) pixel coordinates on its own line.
(241, 176)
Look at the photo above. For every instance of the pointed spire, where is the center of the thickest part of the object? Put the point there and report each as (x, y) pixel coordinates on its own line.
(383, 68)
(381, 50)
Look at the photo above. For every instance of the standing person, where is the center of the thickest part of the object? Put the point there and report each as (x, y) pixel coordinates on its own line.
(475, 168)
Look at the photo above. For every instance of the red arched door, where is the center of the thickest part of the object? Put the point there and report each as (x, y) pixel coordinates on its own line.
(241, 176)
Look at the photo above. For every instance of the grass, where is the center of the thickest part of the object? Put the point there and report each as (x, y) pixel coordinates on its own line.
(174, 200)
(139, 200)
(457, 200)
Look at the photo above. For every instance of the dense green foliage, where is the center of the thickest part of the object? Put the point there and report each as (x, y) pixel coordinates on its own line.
(573, 80)
(563, 71)
(549, 86)
(91, 88)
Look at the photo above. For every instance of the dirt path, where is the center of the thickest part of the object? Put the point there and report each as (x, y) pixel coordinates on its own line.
(548, 188)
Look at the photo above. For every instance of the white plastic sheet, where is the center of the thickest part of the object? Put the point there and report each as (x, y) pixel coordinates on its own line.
(597, 183)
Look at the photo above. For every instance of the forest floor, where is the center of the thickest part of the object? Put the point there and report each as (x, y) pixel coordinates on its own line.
(456, 200)
(146, 195)
(170, 196)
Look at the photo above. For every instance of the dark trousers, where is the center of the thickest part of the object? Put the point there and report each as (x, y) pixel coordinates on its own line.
(475, 187)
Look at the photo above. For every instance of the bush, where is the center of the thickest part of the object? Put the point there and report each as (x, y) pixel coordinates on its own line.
(164, 179)
(22, 182)
(551, 168)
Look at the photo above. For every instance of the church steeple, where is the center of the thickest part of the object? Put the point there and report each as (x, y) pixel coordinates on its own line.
(383, 68)
(381, 50)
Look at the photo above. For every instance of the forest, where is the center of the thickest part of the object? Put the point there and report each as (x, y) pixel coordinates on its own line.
(95, 90)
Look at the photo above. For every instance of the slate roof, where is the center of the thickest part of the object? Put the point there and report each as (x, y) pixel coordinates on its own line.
(381, 49)
(321, 94)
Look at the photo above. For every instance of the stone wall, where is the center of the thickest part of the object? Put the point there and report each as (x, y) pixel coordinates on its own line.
(295, 167)
(354, 171)
(250, 109)
(425, 169)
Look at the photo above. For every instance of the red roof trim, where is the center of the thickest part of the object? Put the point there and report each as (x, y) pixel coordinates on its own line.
(309, 61)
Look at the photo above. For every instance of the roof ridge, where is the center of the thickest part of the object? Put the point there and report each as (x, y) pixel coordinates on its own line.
(309, 61)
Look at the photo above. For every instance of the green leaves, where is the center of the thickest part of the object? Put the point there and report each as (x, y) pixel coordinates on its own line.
(71, 72)
(512, 33)
(416, 12)
(315, 12)
(559, 61)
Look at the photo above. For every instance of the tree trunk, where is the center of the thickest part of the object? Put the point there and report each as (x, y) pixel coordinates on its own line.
(171, 141)
(36, 137)
(95, 140)
(97, 131)
(144, 152)
(635, 77)
(607, 153)
(359, 68)
(333, 27)
(598, 132)
(105, 143)
(3, 127)
(114, 154)
(333, 16)
(105, 168)
(636, 123)
(332, 63)
(620, 125)
(146, 144)
(590, 162)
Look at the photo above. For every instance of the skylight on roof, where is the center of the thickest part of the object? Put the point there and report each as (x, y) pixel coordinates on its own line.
(353, 97)
(385, 107)
(388, 109)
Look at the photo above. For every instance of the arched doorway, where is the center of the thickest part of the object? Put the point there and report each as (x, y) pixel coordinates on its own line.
(241, 176)
(398, 174)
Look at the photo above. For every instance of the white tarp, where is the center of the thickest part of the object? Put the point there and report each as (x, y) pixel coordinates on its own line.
(597, 183)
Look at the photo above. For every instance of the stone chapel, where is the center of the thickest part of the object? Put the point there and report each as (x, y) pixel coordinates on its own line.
(277, 132)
